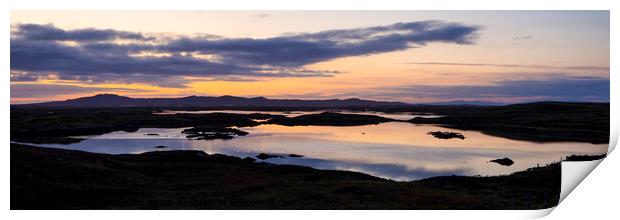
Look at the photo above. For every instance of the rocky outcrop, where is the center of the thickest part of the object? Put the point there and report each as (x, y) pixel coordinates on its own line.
(211, 133)
(503, 161)
(446, 135)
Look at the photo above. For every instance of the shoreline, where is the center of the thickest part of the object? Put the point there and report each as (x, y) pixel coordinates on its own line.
(46, 178)
(536, 122)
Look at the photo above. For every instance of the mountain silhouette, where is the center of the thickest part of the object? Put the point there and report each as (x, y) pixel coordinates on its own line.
(112, 100)
(465, 103)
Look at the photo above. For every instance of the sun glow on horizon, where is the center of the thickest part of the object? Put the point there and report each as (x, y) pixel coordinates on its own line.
(537, 57)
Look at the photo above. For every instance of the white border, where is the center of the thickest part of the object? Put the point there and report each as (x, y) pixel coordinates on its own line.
(311, 5)
(608, 173)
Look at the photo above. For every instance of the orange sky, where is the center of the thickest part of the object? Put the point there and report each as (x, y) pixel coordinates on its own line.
(529, 47)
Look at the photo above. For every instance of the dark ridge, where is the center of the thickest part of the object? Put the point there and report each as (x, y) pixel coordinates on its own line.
(585, 157)
(539, 121)
(44, 178)
(465, 103)
(111, 100)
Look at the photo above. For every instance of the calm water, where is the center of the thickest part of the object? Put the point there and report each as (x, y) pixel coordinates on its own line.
(394, 150)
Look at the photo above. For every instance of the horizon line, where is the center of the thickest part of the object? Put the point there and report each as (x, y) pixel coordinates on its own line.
(250, 97)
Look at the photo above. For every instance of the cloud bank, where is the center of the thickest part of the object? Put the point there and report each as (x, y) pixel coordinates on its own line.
(561, 88)
(604, 68)
(101, 55)
(47, 90)
(51, 33)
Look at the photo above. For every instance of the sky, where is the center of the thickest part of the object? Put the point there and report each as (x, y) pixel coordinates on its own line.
(408, 56)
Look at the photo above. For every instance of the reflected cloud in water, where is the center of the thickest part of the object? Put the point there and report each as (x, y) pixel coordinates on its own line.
(393, 150)
(389, 171)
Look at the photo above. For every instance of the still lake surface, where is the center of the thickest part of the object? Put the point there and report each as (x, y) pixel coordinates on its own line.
(395, 150)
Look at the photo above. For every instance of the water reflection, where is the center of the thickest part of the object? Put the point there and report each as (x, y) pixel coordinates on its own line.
(394, 150)
(391, 171)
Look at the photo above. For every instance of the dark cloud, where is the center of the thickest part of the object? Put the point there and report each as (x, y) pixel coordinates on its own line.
(303, 49)
(41, 50)
(23, 77)
(47, 90)
(83, 63)
(51, 33)
(560, 89)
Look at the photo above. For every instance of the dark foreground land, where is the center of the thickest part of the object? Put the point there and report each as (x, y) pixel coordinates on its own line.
(43, 178)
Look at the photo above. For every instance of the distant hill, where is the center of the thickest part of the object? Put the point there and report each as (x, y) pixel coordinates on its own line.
(111, 100)
(461, 102)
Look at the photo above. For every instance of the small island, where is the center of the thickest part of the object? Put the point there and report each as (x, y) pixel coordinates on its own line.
(503, 161)
(264, 156)
(446, 135)
(211, 133)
